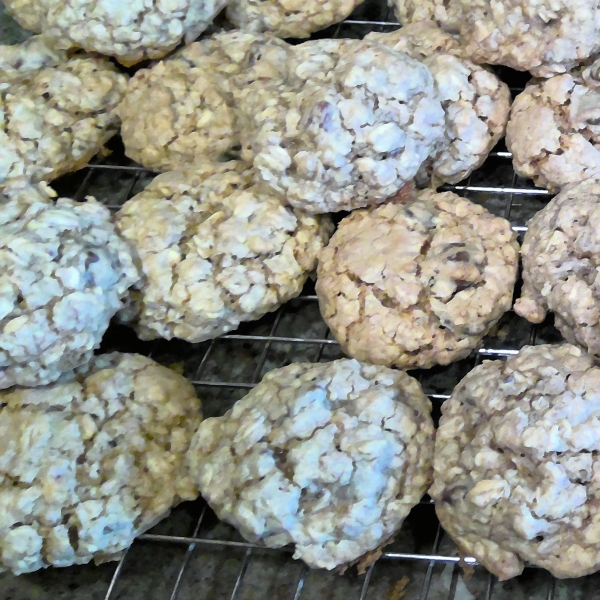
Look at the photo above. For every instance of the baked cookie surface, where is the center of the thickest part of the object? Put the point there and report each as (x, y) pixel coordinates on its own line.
(418, 281)
(85, 463)
(329, 457)
(516, 463)
(215, 250)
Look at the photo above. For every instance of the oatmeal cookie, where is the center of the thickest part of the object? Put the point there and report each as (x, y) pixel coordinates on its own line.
(92, 461)
(63, 273)
(475, 101)
(130, 31)
(289, 18)
(329, 457)
(182, 110)
(215, 250)
(561, 258)
(54, 121)
(516, 469)
(418, 281)
(554, 129)
(440, 12)
(354, 135)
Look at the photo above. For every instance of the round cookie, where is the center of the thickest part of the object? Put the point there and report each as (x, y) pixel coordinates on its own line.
(182, 110)
(553, 131)
(92, 461)
(418, 281)
(475, 100)
(516, 463)
(289, 18)
(215, 250)
(130, 31)
(329, 457)
(63, 274)
(353, 136)
(561, 257)
(56, 119)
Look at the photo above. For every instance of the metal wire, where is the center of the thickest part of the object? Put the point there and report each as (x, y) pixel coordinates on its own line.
(271, 340)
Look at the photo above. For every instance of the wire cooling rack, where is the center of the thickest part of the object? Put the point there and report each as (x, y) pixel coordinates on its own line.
(191, 555)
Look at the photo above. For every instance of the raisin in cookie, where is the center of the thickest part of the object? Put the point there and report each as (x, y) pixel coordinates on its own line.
(215, 250)
(92, 461)
(554, 129)
(474, 99)
(516, 469)
(64, 272)
(352, 136)
(418, 281)
(182, 110)
(55, 120)
(561, 257)
(130, 31)
(289, 18)
(327, 457)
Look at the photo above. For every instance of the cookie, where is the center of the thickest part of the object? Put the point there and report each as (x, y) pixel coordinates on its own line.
(553, 131)
(561, 256)
(476, 102)
(55, 120)
(129, 31)
(289, 18)
(350, 137)
(516, 464)
(215, 250)
(182, 111)
(418, 281)
(328, 457)
(440, 12)
(64, 274)
(92, 461)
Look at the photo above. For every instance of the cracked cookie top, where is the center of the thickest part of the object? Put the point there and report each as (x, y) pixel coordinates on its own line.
(516, 469)
(554, 129)
(64, 272)
(92, 461)
(214, 250)
(561, 257)
(418, 281)
(329, 457)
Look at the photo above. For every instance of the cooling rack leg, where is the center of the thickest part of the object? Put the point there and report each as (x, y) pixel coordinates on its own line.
(365, 587)
(115, 577)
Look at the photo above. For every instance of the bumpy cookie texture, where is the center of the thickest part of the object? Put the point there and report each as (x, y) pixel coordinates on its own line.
(289, 18)
(352, 136)
(92, 461)
(475, 101)
(328, 457)
(131, 31)
(215, 250)
(54, 121)
(182, 111)
(63, 273)
(440, 12)
(554, 131)
(418, 281)
(561, 258)
(22, 60)
(516, 469)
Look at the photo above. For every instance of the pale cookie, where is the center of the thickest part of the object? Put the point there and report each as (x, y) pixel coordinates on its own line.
(351, 137)
(92, 461)
(418, 281)
(440, 12)
(516, 469)
(561, 259)
(554, 129)
(289, 18)
(215, 250)
(131, 31)
(64, 272)
(55, 120)
(474, 99)
(327, 457)
(182, 110)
